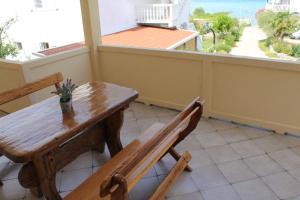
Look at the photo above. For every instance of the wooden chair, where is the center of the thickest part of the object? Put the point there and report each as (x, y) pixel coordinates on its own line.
(115, 179)
(30, 88)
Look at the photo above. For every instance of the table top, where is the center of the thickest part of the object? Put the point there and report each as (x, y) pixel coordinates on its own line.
(40, 127)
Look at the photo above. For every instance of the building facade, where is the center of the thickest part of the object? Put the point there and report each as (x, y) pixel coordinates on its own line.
(283, 5)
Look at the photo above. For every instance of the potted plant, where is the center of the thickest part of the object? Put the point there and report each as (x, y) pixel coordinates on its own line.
(65, 92)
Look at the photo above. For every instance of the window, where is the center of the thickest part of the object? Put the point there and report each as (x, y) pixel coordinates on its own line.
(44, 5)
(19, 45)
(44, 45)
(38, 4)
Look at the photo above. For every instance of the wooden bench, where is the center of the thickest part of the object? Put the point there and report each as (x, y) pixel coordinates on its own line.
(30, 88)
(115, 179)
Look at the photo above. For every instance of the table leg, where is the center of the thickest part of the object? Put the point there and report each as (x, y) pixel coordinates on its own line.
(46, 171)
(37, 192)
(113, 126)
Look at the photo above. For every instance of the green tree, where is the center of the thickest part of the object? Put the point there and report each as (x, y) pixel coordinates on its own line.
(7, 48)
(283, 24)
(198, 12)
(223, 24)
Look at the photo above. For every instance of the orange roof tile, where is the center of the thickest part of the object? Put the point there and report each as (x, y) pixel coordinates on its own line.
(49, 52)
(147, 37)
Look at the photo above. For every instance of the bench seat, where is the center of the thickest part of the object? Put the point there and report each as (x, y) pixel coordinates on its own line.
(115, 179)
(89, 189)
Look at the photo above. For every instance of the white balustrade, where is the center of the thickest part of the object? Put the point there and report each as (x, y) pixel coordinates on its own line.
(159, 13)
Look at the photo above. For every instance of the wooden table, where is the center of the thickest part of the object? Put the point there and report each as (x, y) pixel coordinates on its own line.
(46, 140)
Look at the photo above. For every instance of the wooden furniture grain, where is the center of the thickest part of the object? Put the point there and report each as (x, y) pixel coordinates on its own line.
(46, 140)
(115, 179)
(29, 88)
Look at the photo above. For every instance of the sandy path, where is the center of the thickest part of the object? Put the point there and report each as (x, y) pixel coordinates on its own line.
(248, 44)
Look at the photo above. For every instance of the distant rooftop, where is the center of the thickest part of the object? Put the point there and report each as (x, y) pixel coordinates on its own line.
(149, 37)
(144, 37)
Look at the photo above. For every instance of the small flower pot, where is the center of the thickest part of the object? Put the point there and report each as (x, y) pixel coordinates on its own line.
(66, 106)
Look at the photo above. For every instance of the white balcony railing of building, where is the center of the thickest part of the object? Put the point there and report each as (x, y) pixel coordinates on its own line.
(160, 14)
(279, 7)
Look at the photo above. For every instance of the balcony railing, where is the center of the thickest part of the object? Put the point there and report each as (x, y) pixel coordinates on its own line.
(257, 92)
(159, 14)
(279, 7)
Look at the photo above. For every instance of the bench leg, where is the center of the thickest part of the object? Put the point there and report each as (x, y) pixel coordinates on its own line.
(171, 177)
(113, 126)
(46, 171)
(177, 157)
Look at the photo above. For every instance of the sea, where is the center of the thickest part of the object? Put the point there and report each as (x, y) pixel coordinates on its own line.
(238, 8)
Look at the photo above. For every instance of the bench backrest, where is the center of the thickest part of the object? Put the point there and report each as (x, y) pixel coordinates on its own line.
(30, 88)
(128, 173)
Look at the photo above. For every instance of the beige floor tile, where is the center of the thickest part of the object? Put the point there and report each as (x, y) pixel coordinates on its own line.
(9, 170)
(284, 185)
(224, 153)
(64, 194)
(220, 193)
(199, 158)
(100, 159)
(269, 143)
(144, 188)
(210, 139)
(247, 148)
(263, 165)
(286, 158)
(236, 171)
(296, 198)
(144, 124)
(189, 143)
(164, 166)
(208, 176)
(295, 173)
(161, 112)
(83, 161)
(190, 196)
(233, 135)
(255, 132)
(254, 190)
(204, 127)
(289, 140)
(72, 179)
(183, 185)
(12, 190)
(221, 125)
(3, 159)
(296, 150)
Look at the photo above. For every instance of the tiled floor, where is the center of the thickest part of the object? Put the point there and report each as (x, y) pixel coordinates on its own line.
(230, 162)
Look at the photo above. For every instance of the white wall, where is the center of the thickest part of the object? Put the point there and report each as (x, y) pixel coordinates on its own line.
(60, 25)
(119, 15)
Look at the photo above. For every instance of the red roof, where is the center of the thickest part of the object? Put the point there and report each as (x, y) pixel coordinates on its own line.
(145, 37)
(49, 52)
(148, 37)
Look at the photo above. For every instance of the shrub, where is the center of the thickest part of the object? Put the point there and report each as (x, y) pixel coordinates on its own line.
(281, 47)
(223, 47)
(224, 23)
(295, 51)
(198, 12)
(236, 32)
(230, 40)
(264, 20)
(7, 47)
(284, 24)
